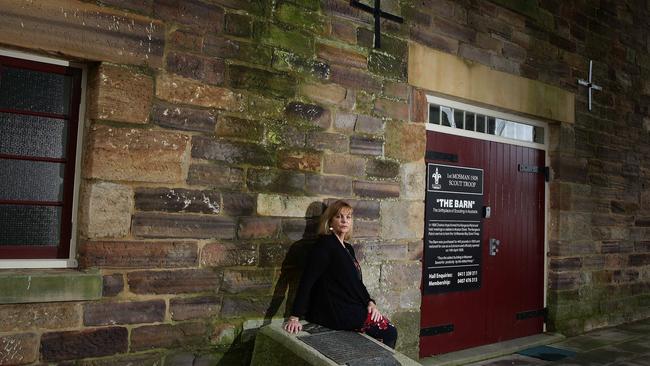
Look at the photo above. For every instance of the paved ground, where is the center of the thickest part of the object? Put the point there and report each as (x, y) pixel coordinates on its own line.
(625, 345)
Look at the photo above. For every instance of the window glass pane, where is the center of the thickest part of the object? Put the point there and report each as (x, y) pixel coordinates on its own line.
(34, 90)
(30, 225)
(491, 125)
(458, 118)
(480, 123)
(500, 127)
(514, 130)
(538, 134)
(447, 116)
(434, 114)
(31, 180)
(469, 121)
(522, 132)
(32, 136)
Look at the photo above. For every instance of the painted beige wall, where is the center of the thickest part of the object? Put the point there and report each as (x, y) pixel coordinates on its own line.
(449, 74)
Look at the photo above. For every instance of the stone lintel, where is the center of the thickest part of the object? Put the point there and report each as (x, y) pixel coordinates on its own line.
(451, 75)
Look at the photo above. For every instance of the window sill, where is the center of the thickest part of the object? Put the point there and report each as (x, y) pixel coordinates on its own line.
(28, 285)
(38, 263)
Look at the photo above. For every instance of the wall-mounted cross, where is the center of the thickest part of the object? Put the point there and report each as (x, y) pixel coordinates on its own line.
(589, 84)
(377, 14)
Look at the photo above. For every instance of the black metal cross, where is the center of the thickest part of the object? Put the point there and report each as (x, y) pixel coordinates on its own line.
(377, 14)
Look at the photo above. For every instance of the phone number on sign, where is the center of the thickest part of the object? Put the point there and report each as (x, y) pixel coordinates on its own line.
(467, 273)
(468, 280)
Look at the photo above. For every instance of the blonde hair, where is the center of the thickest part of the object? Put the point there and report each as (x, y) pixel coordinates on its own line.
(331, 211)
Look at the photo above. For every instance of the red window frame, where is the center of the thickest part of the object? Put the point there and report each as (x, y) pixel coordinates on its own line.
(62, 250)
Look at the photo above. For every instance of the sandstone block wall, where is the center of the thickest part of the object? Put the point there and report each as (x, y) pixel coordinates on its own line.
(217, 129)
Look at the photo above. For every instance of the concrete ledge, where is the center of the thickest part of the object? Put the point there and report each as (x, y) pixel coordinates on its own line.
(274, 346)
(48, 286)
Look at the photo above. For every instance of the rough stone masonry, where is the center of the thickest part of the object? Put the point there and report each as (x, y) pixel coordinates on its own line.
(216, 129)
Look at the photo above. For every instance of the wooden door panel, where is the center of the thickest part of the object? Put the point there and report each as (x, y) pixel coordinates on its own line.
(514, 277)
(466, 309)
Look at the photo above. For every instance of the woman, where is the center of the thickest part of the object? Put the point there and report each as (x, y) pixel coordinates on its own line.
(331, 291)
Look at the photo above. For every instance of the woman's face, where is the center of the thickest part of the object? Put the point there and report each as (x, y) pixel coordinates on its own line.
(341, 223)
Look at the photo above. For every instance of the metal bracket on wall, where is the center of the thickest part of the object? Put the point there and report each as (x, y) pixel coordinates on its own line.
(439, 155)
(536, 169)
(533, 314)
(441, 329)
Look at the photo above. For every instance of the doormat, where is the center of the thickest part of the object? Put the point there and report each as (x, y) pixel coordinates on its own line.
(547, 353)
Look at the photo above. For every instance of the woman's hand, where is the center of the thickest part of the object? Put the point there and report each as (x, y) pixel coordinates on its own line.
(375, 315)
(293, 325)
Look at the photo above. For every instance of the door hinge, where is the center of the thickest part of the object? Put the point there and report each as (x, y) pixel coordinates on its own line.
(440, 329)
(536, 169)
(533, 314)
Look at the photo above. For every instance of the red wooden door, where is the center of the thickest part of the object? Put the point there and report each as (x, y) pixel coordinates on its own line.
(509, 301)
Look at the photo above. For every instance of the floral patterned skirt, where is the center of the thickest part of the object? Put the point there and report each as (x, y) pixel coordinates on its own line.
(381, 324)
(382, 330)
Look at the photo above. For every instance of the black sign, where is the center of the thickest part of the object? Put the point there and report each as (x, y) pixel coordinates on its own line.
(454, 179)
(454, 208)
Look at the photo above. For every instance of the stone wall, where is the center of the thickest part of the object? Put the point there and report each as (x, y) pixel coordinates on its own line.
(207, 159)
(217, 129)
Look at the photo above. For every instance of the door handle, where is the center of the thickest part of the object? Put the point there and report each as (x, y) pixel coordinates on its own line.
(494, 246)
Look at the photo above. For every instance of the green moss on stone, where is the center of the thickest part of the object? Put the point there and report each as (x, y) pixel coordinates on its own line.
(577, 310)
(288, 61)
(262, 107)
(255, 53)
(387, 66)
(308, 4)
(257, 7)
(267, 352)
(262, 81)
(365, 102)
(299, 17)
(288, 39)
(572, 312)
(563, 297)
(408, 328)
(280, 132)
(240, 128)
(238, 25)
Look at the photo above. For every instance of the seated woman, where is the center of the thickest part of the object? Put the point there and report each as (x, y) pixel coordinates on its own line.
(331, 291)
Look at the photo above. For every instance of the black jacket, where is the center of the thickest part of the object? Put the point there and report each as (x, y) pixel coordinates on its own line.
(331, 291)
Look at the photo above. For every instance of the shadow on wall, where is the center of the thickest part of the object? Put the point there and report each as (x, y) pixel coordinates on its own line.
(285, 287)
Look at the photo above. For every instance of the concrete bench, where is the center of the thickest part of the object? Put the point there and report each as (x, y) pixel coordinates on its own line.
(319, 346)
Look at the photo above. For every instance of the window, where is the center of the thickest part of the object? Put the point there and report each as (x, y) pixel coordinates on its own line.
(39, 124)
(463, 117)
